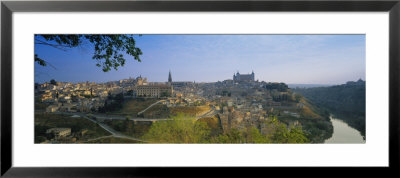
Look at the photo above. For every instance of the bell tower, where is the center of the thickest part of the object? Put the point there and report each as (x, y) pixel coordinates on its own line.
(169, 77)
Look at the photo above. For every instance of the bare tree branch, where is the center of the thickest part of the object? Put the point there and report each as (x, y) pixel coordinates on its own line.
(60, 47)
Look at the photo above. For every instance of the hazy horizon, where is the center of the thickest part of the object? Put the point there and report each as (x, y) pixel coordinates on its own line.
(324, 84)
(292, 59)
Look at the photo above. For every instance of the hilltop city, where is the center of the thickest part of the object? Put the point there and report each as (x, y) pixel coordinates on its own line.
(238, 101)
(238, 108)
(125, 110)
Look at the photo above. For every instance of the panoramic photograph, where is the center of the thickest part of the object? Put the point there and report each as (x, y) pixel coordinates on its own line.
(199, 89)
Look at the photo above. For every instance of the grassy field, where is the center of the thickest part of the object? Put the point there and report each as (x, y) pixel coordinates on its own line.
(162, 111)
(189, 110)
(157, 111)
(130, 128)
(133, 106)
(46, 121)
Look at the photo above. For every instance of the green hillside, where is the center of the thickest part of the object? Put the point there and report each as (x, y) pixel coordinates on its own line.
(346, 101)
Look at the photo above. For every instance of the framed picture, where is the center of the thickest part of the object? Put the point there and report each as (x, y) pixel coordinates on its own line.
(168, 84)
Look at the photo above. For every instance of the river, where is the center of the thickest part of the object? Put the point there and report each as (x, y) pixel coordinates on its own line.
(343, 133)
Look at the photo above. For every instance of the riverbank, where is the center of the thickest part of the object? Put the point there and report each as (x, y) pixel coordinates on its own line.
(343, 133)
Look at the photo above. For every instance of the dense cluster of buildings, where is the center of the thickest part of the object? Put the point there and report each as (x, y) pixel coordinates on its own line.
(239, 102)
(89, 96)
(244, 101)
(243, 93)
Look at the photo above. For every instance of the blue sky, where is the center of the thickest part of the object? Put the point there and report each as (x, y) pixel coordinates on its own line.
(299, 59)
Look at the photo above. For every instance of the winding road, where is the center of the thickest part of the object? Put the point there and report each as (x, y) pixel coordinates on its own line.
(117, 134)
(107, 128)
(144, 110)
(210, 113)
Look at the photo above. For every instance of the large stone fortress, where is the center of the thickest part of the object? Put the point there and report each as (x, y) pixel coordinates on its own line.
(154, 90)
(243, 77)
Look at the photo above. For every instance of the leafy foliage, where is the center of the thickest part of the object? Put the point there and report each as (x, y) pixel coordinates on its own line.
(213, 123)
(247, 135)
(53, 82)
(181, 129)
(129, 93)
(113, 103)
(40, 61)
(282, 134)
(185, 129)
(282, 87)
(293, 135)
(107, 48)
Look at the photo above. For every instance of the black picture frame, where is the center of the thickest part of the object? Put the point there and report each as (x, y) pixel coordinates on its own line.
(8, 7)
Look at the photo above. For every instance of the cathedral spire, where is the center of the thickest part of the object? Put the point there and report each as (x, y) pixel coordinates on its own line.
(169, 77)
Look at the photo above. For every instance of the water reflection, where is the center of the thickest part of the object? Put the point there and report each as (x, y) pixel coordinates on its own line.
(343, 133)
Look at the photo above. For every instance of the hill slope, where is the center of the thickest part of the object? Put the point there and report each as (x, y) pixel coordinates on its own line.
(346, 101)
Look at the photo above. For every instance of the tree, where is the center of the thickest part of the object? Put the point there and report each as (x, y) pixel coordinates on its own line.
(53, 82)
(245, 135)
(129, 93)
(107, 48)
(181, 129)
(254, 136)
(165, 94)
(296, 135)
(283, 135)
(282, 87)
(297, 97)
